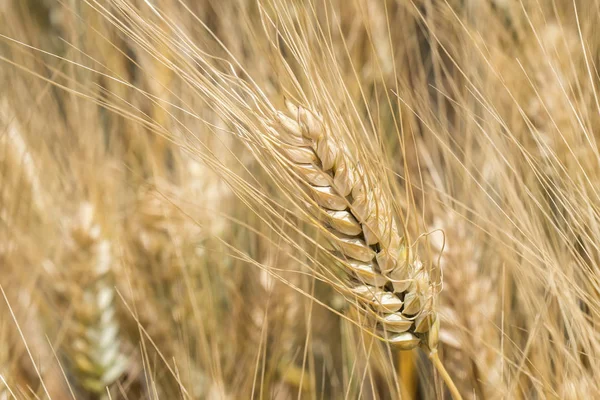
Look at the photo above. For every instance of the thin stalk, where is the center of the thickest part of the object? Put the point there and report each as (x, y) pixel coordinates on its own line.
(434, 357)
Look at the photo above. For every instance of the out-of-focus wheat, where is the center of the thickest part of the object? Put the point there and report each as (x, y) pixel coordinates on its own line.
(470, 340)
(85, 284)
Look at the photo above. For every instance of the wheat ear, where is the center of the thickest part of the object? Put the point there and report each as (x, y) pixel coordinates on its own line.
(93, 349)
(392, 283)
(469, 334)
(362, 228)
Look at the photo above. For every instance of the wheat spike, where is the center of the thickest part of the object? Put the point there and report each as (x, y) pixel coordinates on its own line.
(554, 124)
(93, 347)
(468, 304)
(159, 231)
(362, 227)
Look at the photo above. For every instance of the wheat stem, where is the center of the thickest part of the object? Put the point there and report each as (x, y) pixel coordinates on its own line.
(435, 358)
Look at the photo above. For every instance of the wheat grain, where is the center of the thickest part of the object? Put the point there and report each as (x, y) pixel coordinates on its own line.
(362, 229)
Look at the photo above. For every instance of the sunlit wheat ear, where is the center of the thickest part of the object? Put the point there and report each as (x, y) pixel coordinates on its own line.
(363, 232)
(93, 347)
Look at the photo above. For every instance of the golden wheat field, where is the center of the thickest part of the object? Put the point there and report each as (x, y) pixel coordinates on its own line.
(299, 199)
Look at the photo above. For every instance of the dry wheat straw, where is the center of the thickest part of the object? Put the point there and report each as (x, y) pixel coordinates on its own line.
(363, 230)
